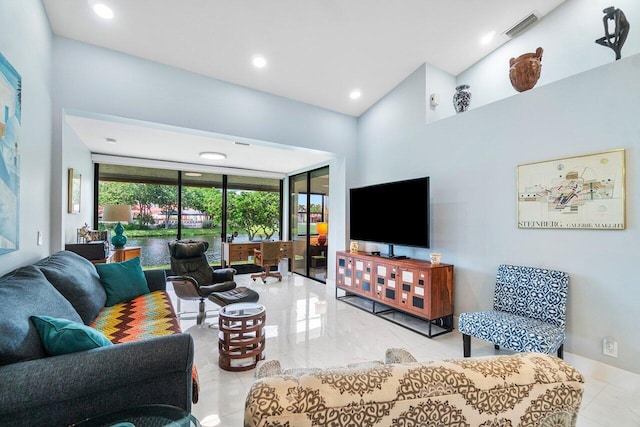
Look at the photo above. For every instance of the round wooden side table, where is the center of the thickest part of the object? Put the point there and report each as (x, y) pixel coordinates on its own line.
(241, 339)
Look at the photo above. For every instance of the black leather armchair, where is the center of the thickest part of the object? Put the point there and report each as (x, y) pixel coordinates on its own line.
(192, 276)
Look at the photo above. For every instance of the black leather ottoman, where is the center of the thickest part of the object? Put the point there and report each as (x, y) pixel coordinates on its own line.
(233, 296)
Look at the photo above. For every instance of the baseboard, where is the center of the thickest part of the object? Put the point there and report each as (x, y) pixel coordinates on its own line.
(626, 380)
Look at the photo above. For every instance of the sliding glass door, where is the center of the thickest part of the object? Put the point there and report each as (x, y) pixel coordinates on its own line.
(309, 222)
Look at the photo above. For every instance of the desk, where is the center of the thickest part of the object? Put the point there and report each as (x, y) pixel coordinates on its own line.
(234, 252)
(124, 254)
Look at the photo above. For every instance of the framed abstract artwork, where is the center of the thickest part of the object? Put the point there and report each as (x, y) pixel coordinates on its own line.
(75, 185)
(10, 123)
(582, 192)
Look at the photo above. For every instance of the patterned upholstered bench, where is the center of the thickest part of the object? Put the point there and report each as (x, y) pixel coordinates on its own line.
(529, 312)
(527, 389)
(143, 317)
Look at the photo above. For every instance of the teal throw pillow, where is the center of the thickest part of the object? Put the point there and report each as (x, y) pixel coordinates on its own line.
(122, 281)
(62, 336)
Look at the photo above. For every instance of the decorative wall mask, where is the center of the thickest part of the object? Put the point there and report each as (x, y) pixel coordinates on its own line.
(614, 39)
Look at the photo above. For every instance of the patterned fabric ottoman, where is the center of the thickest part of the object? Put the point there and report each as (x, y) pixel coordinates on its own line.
(528, 389)
(147, 316)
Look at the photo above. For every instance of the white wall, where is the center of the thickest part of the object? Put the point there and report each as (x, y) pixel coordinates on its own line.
(76, 156)
(567, 35)
(444, 85)
(472, 158)
(25, 40)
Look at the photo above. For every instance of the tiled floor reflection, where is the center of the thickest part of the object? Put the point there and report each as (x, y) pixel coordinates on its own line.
(307, 327)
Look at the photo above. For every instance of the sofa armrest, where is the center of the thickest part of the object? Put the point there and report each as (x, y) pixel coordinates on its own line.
(156, 280)
(89, 383)
(398, 355)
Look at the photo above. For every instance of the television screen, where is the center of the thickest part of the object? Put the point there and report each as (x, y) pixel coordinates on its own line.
(395, 213)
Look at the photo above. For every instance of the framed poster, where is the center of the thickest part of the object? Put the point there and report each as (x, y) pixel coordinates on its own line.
(75, 183)
(583, 192)
(10, 119)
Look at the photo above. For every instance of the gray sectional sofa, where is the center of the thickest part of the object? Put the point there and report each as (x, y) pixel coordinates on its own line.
(37, 389)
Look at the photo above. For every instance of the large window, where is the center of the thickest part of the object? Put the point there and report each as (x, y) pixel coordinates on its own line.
(201, 217)
(169, 205)
(153, 197)
(253, 208)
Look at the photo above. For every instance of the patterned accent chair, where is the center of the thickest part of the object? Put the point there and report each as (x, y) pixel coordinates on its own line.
(529, 311)
(525, 389)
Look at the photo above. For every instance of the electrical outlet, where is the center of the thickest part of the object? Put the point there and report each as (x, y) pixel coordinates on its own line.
(39, 238)
(610, 347)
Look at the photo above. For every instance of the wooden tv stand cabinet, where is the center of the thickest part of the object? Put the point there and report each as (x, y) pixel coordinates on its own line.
(412, 293)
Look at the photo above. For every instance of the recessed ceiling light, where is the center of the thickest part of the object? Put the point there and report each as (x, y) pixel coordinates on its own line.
(213, 156)
(487, 37)
(103, 11)
(193, 174)
(259, 61)
(110, 140)
(355, 94)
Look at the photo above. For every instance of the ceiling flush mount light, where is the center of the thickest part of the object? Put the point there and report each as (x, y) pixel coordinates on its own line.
(213, 156)
(110, 140)
(103, 11)
(193, 174)
(355, 94)
(486, 39)
(259, 61)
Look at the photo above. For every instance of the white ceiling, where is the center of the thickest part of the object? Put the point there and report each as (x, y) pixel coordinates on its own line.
(134, 139)
(317, 51)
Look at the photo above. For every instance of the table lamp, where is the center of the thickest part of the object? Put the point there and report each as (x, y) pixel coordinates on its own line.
(321, 228)
(119, 214)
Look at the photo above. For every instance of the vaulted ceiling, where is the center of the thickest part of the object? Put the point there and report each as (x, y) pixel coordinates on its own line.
(316, 52)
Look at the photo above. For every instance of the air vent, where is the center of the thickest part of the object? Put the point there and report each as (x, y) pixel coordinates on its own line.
(522, 26)
(245, 144)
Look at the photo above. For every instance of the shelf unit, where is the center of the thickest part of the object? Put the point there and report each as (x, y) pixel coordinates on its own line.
(412, 293)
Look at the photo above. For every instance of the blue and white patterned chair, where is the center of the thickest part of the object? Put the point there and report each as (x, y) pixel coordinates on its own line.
(529, 312)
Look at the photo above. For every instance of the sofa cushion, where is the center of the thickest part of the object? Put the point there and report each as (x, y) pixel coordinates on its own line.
(77, 280)
(25, 292)
(122, 280)
(62, 336)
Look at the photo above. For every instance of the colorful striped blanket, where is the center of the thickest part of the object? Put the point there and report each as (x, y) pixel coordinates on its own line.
(147, 316)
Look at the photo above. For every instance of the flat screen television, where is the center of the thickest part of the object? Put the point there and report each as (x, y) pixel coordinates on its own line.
(393, 213)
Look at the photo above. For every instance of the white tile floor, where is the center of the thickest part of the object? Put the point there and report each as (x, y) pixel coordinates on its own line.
(300, 334)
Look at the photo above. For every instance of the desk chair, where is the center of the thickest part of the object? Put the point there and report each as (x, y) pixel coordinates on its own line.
(269, 254)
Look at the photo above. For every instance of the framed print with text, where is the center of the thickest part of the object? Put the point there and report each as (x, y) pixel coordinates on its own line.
(582, 192)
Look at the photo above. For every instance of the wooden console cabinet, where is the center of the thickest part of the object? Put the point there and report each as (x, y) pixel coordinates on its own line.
(400, 290)
(125, 254)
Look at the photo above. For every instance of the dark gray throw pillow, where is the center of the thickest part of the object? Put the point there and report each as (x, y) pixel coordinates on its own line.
(77, 280)
(26, 292)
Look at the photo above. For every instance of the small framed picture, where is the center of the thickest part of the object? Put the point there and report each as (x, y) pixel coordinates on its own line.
(75, 182)
(353, 247)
